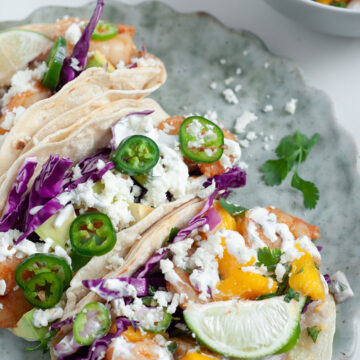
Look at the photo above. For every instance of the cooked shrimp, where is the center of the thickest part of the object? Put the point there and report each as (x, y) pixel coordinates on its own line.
(171, 126)
(184, 287)
(146, 349)
(26, 98)
(120, 48)
(296, 226)
(7, 273)
(14, 306)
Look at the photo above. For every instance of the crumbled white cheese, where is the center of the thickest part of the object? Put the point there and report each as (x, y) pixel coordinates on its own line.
(238, 71)
(163, 297)
(75, 64)
(35, 209)
(244, 143)
(2, 287)
(211, 115)
(268, 108)
(251, 135)
(290, 107)
(114, 262)
(11, 117)
(222, 61)
(167, 268)
(73, 33)
(244, 120)
(205, 193)
(7, 239)
(121, 64)
(213, 85)
(243, 165)
(238, 87)
(122, 348)
(42, 318)
(306, 244)
(123, 288)
(280, 271)
(266, 65)
(63, 215)
(231, 154)
(230, 96)
(1, 306)
(180, 250)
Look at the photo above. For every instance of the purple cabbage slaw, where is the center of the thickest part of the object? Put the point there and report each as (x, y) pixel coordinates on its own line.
(98, 286)
(15, 204)
(69, 349)
(113, 141)
(81, 48)
(27, 211)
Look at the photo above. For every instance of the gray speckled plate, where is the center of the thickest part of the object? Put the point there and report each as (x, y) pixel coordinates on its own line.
(191, 47)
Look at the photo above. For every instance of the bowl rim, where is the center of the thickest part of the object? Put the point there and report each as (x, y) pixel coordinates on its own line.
(328, 7)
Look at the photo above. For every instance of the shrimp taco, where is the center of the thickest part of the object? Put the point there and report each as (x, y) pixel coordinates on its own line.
(63, 69)
(210, 280)
(74, 204)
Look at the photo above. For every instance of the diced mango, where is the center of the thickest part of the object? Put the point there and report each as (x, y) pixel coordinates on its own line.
(227, 220)
(305, 277)
(194, 355)
(244, 285)
(135, 336)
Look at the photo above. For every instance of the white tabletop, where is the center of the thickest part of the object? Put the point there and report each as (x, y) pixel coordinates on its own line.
(328, 63)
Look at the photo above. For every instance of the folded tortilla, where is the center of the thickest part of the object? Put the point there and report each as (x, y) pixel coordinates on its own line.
(81, 138)
(77, 98)
(153, 238)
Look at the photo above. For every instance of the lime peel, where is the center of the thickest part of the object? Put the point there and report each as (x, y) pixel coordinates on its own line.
(246, 329)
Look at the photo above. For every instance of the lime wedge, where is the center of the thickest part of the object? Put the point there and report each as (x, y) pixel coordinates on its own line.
(246, 329)
(17, 48)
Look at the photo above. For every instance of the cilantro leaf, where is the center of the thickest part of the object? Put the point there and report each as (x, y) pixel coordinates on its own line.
(309, 190)
(266, 296)
(313, 332)
(172, 234)
(44, 343)
(291, 294)
(233, 209)
(275, 171)
(270, 258)
(172, 346)
(293, 149)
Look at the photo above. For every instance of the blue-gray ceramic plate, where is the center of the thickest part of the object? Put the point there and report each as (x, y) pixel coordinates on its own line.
(191, 46)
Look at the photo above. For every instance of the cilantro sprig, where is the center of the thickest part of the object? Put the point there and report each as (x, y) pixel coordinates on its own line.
(292, 151)
(269, 258)
(233, 209)
(313, 332)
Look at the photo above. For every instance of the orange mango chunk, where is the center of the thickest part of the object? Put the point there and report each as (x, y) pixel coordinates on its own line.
(228, 222)
(135, 336)
(194, 355)
(244, 285)
(305, 277)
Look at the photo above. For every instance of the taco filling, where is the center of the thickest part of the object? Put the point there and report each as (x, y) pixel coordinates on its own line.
(234, 282)
(71, 216)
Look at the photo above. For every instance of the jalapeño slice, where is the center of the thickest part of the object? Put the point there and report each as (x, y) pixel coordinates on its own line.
(162, 325)
(92, 323)
(43, 290)
(55, 62)
(201, 140)
(104, 31)
(92, 234)
(40, 263)
(136, 155)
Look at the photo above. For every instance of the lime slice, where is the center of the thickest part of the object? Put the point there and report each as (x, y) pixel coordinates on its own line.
(17, 49)
(246, 329)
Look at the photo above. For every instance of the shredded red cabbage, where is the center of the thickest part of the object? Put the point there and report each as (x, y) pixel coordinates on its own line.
(60, 324)
(319, 248)
(95, 350)
(234, 178)
(14, 206)
(132, 66)
(114, 142)
(81, 49)
(99, 286)
(149, 265)
(327, 279)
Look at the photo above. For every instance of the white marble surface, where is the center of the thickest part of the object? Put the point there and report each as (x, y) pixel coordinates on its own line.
(328, 63)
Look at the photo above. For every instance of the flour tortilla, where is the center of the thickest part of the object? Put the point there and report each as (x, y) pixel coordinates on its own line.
(93, 134)
(93, 83)
(318, 314)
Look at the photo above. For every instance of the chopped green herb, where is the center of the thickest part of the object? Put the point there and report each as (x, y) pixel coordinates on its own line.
(292, 150)
(316, 265)
(172, 234)
(341, 4)
(172, 347)
(269, 258)
(44, 343)
(151, 290)
(313, 332)
(300, 271)
(266, 296)
(149, 301)
(291, 294)
(233, 209)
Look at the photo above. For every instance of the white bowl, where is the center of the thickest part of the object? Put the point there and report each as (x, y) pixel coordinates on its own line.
(323, 18)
